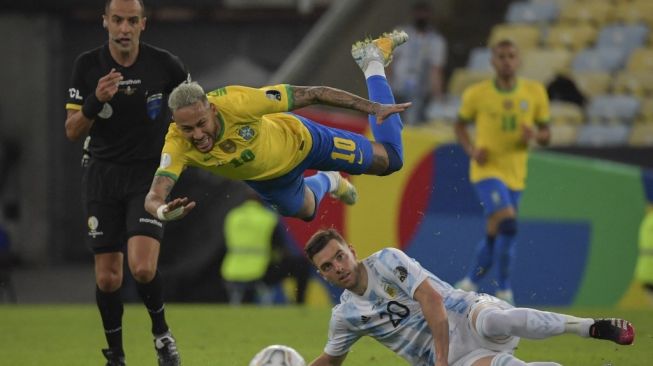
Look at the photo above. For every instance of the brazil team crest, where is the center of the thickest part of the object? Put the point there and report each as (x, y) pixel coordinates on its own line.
(247, 133)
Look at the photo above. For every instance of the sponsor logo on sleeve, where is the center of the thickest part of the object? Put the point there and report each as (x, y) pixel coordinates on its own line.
(166, 160)
(74, 94)
(401, 272)
(273, 95)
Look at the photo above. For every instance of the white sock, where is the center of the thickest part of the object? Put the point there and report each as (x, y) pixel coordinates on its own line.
(506, 359)
(374, 68)
(520, 322)
(580, 326)
(333, 184)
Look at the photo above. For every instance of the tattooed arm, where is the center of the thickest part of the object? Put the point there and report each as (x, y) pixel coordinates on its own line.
(307, 95)
(155, 201)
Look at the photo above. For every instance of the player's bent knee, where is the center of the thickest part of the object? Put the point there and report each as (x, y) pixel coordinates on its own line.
(108, 282)
(508, 226)
(395, 161)
(143, 274)
(506, 359)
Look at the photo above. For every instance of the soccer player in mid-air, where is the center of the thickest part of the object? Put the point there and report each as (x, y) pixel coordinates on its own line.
(508, 112)
(393, 299)
(247, 134)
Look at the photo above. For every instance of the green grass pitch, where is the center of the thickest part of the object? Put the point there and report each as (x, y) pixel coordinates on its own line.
(219, 335)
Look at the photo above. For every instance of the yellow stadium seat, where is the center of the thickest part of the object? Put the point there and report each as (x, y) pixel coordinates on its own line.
(462, 78)
(523, 35)
(641, 60)
(593, 12)
(646, 111)
(641, 135)
(563, 134)
(592, 83)
(566, 113)
(543, 64)
(570, 36)
(634, 11)
(638, 83)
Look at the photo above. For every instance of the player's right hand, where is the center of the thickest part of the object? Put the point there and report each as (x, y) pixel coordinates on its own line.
(384, 110)
(480, 155)
(107, 86)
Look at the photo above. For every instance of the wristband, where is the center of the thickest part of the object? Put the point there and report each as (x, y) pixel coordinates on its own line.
(170, 215)
(92, 106)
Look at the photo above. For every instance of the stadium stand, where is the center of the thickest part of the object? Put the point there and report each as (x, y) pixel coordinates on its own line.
(570, 36)
(604, 46)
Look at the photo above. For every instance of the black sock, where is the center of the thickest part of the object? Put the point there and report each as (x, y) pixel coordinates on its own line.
(111, 309)
(152, 295)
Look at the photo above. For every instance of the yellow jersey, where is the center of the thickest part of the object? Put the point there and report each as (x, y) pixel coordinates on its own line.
(499, 116)
(257, 141)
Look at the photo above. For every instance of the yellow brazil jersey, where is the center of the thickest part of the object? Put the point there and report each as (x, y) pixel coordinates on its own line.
(499, 116)
(256, 140)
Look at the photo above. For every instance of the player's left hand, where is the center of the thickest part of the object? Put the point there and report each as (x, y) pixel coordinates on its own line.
(175, 209)
(382, 111)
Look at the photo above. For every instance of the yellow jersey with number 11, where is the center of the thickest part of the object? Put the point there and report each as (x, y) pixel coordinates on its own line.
(499, 116)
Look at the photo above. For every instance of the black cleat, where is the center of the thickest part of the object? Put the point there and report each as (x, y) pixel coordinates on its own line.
(166, 350)
(617, 330)
(114, 357)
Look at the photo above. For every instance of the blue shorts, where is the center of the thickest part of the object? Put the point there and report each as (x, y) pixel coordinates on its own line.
(495, 195)
(333, 149)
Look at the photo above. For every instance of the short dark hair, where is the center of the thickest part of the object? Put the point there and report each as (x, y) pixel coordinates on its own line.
(107, 4)
(319, 240)
(505, 42)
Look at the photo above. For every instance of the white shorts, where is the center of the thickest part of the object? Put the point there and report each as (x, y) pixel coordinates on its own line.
(465, 344)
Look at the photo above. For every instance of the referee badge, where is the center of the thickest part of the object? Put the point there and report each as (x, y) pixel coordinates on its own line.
(154, 103)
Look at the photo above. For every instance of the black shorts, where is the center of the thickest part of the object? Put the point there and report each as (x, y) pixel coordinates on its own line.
(113, 196)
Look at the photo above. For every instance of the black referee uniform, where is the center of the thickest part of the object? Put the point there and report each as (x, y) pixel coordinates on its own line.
(125, 142)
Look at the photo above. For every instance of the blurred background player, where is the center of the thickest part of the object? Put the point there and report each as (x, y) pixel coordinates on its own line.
(257, 256)
(117, 96)
(393, 299)
(238, 132)
(644, 267)
(417, 72)
(508, 112)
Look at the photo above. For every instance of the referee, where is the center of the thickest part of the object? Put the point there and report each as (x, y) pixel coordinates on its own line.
(117, 97)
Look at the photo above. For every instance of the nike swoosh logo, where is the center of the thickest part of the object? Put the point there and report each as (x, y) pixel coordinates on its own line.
(360, 157)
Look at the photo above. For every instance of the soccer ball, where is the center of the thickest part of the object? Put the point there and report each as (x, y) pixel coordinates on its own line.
(277, 355)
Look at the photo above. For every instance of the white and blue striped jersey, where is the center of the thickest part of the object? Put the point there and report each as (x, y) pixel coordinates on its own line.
(388, 312)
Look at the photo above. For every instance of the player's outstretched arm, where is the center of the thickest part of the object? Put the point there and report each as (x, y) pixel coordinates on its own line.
(155, 201)
(436, 317)
(328, 360)
(308, 95)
